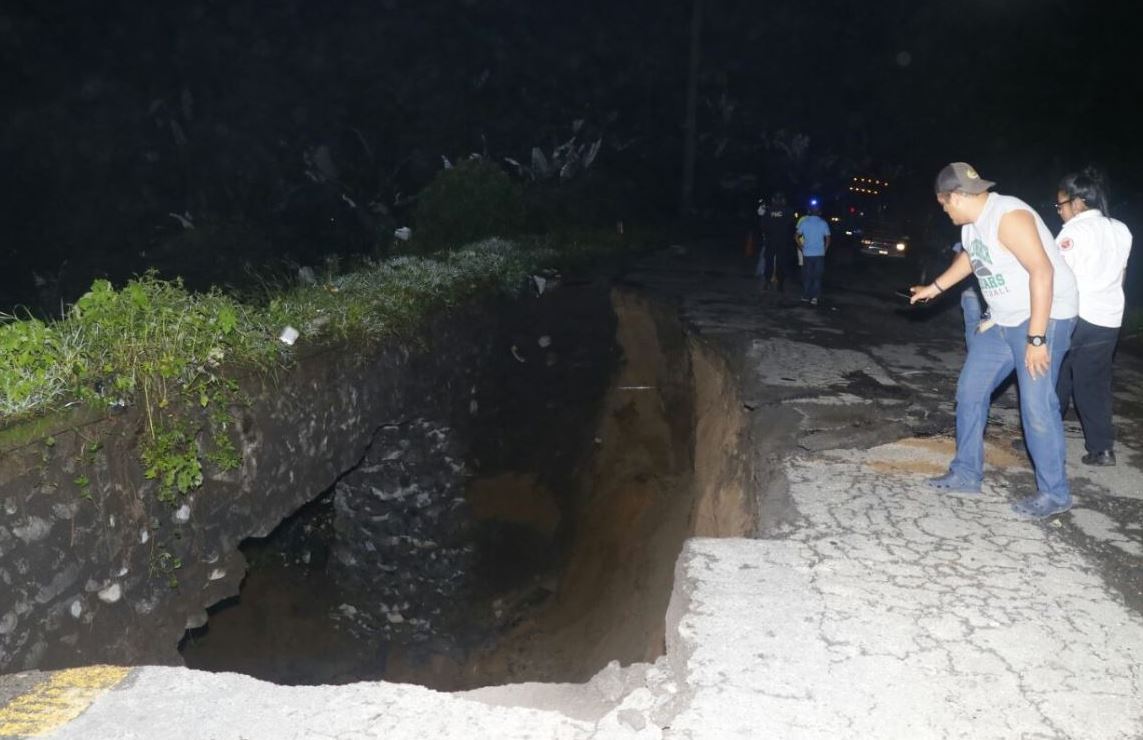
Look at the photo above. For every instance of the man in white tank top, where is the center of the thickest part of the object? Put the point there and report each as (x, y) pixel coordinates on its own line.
(1032, 295)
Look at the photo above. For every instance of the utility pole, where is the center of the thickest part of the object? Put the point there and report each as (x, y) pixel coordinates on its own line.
(689, 127)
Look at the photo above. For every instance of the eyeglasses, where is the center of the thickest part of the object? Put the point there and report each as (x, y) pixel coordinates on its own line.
(1061, 203)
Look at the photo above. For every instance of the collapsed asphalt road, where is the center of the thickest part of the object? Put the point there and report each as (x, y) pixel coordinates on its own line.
(864, 606)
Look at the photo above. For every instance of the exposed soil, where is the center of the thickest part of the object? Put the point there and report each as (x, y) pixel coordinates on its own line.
(563, 585)
(937, 451)
(665, 468)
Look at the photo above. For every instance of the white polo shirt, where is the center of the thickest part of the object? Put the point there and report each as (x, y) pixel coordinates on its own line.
(1096, 248)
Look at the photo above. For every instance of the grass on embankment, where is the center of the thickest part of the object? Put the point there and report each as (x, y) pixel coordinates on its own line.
(154, 344)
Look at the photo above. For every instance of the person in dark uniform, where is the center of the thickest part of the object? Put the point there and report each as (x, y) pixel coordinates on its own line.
(777, 249)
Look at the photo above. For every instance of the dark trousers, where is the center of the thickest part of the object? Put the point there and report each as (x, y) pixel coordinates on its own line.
(771, 257)
(767, 261)
(812, 270)
(1085, 375)
(786, 264)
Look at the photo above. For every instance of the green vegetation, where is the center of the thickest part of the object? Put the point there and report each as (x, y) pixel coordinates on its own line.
(173, 354)
(164, 564)
(83, 483)
(37, 364)
(473, 200)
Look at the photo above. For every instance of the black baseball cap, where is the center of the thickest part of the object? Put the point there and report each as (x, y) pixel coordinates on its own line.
(961, 177)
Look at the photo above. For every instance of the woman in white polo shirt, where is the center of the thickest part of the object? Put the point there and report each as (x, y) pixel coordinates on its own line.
(1096, 247)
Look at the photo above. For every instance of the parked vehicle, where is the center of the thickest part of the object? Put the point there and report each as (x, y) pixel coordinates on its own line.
(867, 219)
(881, 240)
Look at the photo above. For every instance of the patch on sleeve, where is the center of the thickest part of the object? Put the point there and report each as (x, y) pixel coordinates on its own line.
(1065, 245)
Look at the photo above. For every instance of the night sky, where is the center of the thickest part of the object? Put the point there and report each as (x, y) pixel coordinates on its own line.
(117, 114)
(1023, 89)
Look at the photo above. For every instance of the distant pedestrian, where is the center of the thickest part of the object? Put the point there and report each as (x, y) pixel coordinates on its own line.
(760, 265)
(1096, 247)
(1032, 297)
(813, 243)
(972, 305)
(777, 229)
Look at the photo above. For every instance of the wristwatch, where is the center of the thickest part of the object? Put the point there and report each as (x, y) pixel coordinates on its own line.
(1037, 340)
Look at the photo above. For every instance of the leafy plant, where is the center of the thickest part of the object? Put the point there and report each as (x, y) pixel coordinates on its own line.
(156, 343)
(37, 363)
(153, 336)
(171, 458)
(83, 483)
(473, 200)
(565, 162)
(165, 563)
(223, 455)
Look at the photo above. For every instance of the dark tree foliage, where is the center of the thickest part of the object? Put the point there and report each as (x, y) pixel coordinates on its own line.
(462, 204)
(204, 136)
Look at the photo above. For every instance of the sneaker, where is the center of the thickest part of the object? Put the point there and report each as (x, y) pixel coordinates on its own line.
(813, 301)
(1041, 506)
(805, 300)
(1105, 458)
(950, 483)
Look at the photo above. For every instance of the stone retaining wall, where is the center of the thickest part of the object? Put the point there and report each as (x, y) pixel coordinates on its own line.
(106, 573)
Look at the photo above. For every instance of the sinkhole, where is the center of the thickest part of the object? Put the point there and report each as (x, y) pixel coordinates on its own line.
(537, 545)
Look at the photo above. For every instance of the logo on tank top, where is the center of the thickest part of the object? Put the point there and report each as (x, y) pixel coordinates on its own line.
(1065, 245)
(991, 284)
(979, 256)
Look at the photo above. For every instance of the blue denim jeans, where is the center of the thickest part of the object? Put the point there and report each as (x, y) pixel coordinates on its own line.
(812, 271)
(970, 307)
(992, 356)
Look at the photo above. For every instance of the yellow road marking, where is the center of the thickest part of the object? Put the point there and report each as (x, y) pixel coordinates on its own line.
(58, 700)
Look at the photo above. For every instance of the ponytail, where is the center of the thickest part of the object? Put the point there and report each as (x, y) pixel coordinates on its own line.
(1089, 185)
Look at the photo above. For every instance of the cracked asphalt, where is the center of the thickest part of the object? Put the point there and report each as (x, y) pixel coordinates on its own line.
(894, 613)
(876, 608)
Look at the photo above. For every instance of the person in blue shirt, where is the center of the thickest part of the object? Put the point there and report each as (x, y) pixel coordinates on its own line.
(972, 305)
(813, 242)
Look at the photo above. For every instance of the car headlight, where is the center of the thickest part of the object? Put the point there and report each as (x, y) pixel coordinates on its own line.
(900, 246)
